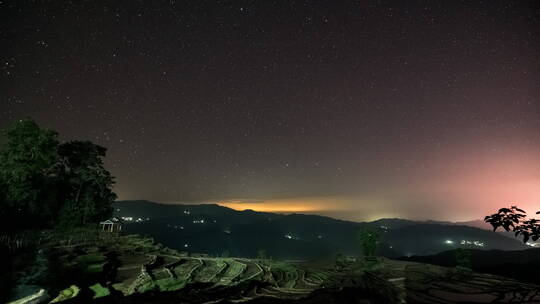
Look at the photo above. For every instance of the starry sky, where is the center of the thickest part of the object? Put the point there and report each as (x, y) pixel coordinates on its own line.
(353, 109)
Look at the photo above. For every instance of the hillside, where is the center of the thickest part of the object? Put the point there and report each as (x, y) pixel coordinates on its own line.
(105, 268)
(102, 267)
(215, 229)
(399, 223)
(522, 265)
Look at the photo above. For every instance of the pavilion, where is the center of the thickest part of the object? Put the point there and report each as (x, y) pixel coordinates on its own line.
(111, 225)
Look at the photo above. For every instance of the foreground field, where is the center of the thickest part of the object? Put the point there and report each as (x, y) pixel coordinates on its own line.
(132, 269)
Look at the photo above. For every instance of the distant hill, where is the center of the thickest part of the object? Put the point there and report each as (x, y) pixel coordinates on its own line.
(426, 239)
(522, 265)
(476, 223)
(398, 223)
(214, 229)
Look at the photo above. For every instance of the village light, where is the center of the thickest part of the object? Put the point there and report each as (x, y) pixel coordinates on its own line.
(475, 243)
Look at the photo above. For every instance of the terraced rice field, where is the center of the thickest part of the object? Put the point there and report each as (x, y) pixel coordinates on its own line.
(140, 266)
(137, 265)
(232, 272)
(171, 273)
(186, 267)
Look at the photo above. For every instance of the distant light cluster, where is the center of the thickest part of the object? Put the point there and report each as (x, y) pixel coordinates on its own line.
(475, 243)
(466, 242)
(136, 220)
(175, 226)
(291, 237)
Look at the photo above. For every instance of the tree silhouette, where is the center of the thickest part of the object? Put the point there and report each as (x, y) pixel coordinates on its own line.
(513, 218)
(369, 240)
(463, 257)
(86, 181)
(26, 178)
(44, 182)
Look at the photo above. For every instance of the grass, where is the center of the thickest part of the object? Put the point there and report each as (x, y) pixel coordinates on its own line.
(67, 293)
(209, 270)
(170, 284)
(233, 271)
(185, 269)
(99, 291)
(90, 258)
(285, 274)
(95, 268)
(120, 287)
(282, 266)
(315, 276)
(146, 286)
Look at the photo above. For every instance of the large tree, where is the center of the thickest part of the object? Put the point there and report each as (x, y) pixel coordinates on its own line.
(86, 182)
(44, 182)
(26, 176)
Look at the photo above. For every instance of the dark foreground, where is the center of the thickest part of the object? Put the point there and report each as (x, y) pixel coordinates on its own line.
(120, 269)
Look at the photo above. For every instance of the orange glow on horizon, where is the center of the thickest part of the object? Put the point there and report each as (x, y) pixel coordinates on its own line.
(346, 208)
(288, 205)
(450, 185)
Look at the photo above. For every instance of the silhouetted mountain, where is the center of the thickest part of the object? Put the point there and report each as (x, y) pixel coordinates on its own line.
(394, 223)
(522, 265)
(425, 239)
(215, 229)
(147, 209)
(477, 224)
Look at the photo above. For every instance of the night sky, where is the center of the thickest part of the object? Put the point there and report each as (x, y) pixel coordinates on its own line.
(354, 109)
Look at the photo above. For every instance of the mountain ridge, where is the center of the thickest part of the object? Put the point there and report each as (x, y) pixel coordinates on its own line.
(390, 222)
(215, 229)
